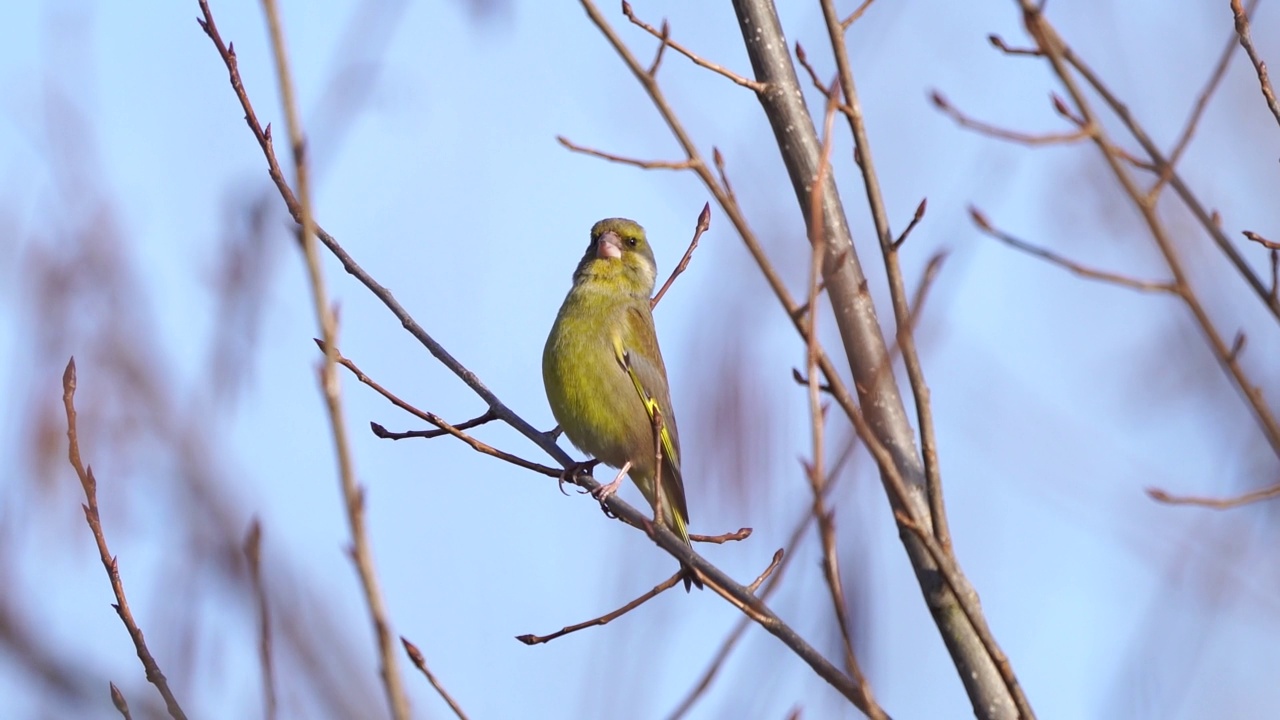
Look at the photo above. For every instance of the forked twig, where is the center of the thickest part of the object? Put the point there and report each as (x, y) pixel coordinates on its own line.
(607, 617)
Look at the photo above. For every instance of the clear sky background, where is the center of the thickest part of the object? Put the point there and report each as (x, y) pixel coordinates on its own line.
(129, 189)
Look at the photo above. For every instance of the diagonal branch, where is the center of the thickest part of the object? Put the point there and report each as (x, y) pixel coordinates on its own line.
(90, 486)
(1053, 258)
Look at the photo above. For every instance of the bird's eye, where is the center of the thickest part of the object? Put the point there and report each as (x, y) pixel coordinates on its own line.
(631, 241)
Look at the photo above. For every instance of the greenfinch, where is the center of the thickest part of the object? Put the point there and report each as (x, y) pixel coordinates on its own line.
(604, 375)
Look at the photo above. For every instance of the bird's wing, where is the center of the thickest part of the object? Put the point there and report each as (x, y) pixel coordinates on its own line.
(640, 357)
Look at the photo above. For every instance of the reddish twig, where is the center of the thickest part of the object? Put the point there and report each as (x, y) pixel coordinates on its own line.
(486, 417)
(646, 164)
(1255, 237)
(817, 415)
(778, 556)
(420, 662)
(739, 534)
(664, 37)
(608, 617)
(1197, 111)
(770, 579)
(1253, 496)
(988, 229)
(1260, 67)
(853, 16)
(704, 222)
(91, 515)
(940, 102)
(915, 220)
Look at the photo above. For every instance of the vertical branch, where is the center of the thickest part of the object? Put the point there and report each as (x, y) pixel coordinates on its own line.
(816, 471)
(893, 271)
(253, 553)
(902, 470)
(352, 494)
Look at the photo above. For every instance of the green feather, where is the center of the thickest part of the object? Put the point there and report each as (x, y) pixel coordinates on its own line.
(603, 370)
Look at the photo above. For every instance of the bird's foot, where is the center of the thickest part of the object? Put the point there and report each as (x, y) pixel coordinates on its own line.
(602, 493)
(571, 472)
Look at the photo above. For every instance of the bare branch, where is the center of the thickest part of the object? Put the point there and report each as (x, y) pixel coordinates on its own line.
(646, 164)
(90, 486)
(988, 229)
(773, 565)
(1260, 67)
(940, 102)
(853, 16)
(739, 534)
(704, 222)
(664, 38)
(253, 554)
(607, 617)
(915, 220)
(420, 662)
(1197, 111)
(352, 494)
(1254, 496)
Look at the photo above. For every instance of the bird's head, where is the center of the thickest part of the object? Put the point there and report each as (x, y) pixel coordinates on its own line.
(619, 257)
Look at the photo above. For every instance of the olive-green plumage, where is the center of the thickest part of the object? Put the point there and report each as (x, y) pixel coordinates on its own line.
(603, 370)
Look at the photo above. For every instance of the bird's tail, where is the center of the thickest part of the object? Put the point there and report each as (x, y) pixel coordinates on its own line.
(677, 524)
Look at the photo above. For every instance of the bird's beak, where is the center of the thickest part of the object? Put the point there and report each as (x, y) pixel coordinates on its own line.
(609, 246)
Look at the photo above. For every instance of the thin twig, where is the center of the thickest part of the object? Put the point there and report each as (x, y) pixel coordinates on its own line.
(915, 220)
(483, 419)
(665, 39)
(445, 428)
(91, 515)
(1255, 237)
(1060, 56)
(990, 230)
(646, 164)
(117, 699)
(253, 554)
(817, 413)
(1197, 111)
(352, 494)
(1253, 496)
(771, 580)
(853, 16)
(1260, 67)
(704, 222)
(778, 555)
(420, 662)
(739, 534)
(607, 617)
(940, 102)
(999, 43)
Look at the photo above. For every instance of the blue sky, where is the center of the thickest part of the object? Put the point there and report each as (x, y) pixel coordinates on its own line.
(1057, 400)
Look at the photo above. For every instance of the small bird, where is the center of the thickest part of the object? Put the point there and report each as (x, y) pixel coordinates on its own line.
(604, 375)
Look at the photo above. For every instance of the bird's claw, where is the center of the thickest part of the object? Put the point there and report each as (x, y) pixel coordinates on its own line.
(602, 494)
(572, 471)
